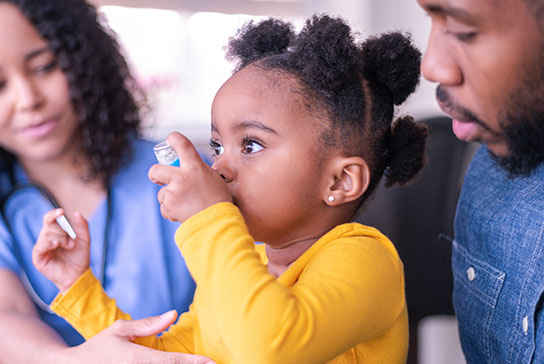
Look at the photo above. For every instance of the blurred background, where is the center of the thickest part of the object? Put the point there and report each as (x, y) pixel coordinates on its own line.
(176, 50)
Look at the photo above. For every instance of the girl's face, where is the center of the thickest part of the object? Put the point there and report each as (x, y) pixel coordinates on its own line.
(266, 146)
(37, 120)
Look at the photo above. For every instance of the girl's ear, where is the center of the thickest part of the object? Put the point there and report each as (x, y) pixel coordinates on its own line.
(349, 180)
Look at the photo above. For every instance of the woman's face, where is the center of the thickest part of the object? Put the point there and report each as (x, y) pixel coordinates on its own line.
(37, 120)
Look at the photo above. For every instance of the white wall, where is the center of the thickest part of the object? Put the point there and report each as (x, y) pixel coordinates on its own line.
(377, 16)
(365, 16)
(407, 15)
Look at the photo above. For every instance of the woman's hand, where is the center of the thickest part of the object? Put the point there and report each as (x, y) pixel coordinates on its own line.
(58, 257)
(113, 345)
(189, 188)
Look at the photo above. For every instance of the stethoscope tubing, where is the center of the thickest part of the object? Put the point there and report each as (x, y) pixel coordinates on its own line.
(18, 186)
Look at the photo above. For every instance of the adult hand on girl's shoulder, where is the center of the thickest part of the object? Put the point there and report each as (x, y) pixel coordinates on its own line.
(58, 257)
(114, 345)
(189, 188)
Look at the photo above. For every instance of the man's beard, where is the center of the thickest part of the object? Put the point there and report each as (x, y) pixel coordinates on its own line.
(522, 122)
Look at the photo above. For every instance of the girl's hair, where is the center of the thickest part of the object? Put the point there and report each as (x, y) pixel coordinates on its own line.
(356, 84)
(102, 90)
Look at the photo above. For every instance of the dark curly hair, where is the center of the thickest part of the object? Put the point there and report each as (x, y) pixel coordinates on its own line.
(536, 7)
(356, 84)
(104, 94)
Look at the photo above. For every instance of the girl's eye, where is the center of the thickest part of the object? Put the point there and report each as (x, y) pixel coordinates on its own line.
(251, 146)
(217, 149)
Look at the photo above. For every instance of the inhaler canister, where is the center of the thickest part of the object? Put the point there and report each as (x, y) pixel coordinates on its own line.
(165, 154)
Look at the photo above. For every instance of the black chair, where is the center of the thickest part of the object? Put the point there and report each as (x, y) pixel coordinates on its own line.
(415, 216)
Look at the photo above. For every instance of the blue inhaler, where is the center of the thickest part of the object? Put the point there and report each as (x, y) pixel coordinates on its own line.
(166, 155)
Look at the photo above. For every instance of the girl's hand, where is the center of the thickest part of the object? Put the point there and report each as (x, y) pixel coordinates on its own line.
(59, 258)
(189, 188)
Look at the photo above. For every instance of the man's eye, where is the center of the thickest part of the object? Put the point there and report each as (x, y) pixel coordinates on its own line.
(251, 146)
(217, 149)
(466, 37)
(462, 36)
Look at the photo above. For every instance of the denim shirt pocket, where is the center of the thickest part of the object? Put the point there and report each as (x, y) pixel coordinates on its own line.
(477, 286)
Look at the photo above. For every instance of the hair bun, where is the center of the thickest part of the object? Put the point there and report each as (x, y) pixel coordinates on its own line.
(407, 151)
(254, 41)
(394, 62)
(325, 53)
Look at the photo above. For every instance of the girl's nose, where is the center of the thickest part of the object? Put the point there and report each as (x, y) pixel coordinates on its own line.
(439, 63)
(28, 95)
(222, 166)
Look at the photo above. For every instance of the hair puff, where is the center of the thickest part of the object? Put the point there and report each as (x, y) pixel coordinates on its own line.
(326, 55)
(406, 151)
(393, 61)
(254, 41)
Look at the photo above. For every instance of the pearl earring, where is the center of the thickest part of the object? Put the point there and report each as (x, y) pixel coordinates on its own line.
(330, 198)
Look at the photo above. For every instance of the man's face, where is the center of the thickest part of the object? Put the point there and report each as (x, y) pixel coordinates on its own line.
(488, 58)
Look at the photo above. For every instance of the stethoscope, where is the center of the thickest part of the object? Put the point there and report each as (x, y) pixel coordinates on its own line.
(29, 185)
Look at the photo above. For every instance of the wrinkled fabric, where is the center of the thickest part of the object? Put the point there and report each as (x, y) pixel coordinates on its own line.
(342, 301)
(498, 265)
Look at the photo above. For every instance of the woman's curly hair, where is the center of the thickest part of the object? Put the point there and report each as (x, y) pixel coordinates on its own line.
(104, 94)
(356, 84)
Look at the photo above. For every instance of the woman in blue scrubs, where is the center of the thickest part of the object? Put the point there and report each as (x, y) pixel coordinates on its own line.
(70, 122)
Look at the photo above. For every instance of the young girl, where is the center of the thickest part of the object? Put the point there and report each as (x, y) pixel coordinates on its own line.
(301, 133)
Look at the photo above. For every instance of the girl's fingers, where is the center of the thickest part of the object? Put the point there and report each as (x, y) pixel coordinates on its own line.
(51, 231)
(44, 247)
(183, 147)
(51, 216)
(188, 156)
(68, 244)
(161, 175)
(59, 236)
(50, 240)
(81, 227)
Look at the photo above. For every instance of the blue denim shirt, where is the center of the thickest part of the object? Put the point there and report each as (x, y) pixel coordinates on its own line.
(498, 265)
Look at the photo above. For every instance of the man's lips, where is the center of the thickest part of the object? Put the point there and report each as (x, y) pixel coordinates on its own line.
(464, 130)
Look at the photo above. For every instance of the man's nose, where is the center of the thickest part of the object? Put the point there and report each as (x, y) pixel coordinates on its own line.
(439, 62)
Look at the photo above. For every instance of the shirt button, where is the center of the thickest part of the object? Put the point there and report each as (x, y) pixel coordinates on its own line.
(471, 274)
(525, 324)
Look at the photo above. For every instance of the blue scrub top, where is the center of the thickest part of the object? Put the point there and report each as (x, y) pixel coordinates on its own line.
(145, 271)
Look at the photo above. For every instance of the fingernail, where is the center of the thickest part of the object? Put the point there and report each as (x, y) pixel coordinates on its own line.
(167, 314)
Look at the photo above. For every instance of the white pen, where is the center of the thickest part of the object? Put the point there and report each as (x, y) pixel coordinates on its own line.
(65, 225)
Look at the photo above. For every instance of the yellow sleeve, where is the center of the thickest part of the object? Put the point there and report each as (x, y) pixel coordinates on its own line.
(89, 310)
(348, 293)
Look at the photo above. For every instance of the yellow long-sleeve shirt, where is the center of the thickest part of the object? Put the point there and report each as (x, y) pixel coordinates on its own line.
(342, 301)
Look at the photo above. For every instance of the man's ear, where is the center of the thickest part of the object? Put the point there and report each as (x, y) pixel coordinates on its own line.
(349, 180)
